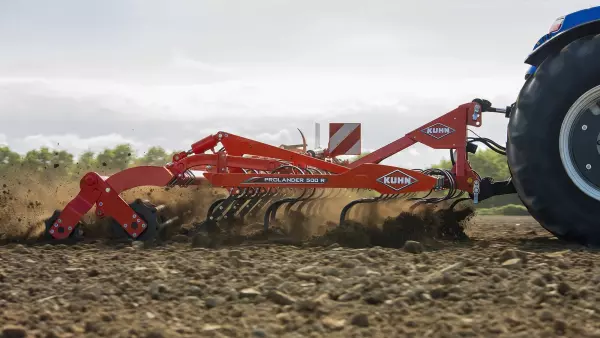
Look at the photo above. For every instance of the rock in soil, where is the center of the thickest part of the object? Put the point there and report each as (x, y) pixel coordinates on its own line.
(521, 283)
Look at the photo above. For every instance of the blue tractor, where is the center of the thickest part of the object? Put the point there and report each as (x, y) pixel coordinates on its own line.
(553, 145)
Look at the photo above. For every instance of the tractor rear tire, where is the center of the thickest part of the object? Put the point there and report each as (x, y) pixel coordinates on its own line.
(552, 151)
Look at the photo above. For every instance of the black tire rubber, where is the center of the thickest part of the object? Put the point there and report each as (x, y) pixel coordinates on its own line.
(75, 236)
(533, 143)
(148, 214)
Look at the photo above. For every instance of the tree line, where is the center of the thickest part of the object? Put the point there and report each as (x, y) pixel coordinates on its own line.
(62, 162)
(44, 160)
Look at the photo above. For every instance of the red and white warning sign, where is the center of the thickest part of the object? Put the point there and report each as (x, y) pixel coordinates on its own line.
(344, 139)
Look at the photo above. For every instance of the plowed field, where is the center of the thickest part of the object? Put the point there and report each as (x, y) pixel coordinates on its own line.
(510, 279)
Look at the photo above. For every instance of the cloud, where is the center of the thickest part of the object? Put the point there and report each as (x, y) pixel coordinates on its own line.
(281, 137)
(3, 141)
(181, 61)
(79, 114)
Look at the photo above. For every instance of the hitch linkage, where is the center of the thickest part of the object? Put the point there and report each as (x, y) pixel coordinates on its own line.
(488, 188)
(486, 106)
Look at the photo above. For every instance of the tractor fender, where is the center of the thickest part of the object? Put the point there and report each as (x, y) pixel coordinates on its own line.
(559, 41)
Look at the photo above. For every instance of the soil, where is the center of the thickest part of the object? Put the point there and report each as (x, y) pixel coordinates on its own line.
(387, 272)
(509, 278)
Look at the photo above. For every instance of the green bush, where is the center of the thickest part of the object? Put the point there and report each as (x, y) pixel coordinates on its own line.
(506, 210)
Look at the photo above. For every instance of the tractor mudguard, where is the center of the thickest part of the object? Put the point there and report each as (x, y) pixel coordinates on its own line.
(559, 41)
(563, 31)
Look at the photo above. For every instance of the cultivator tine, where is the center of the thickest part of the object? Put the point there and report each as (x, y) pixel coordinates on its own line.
(251, 201)
(222, 208)
(348, 206)
(301, 200)
(311, 201)
(315, 202)
(237, 203)
(213, 207)
(272, 209)
(458, 200)
(253, 208)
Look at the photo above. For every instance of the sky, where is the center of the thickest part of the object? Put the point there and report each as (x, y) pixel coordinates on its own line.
(85, 75)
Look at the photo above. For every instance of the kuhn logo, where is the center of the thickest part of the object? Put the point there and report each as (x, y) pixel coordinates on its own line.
(438, 130)
(397, 180)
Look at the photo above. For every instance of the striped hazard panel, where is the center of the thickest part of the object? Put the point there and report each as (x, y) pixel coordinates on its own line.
(344, 139)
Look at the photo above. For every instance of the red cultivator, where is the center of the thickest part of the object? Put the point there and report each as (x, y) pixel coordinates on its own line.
(260, 176)
(552, 152)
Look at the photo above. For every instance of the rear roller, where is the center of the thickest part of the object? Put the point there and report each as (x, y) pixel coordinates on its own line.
(50, 227)
(553, 146)
(149, 221)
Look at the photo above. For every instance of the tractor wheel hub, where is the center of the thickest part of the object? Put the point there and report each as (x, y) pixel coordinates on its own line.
(579, 143)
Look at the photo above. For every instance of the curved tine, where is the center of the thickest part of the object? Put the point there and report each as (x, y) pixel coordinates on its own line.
(335, 193)
(416, 204)
(455, 203)
(286, 211)
(292, 190)
(237, 199)
(311, 200)
(272, 211)
(291, 200)
(342, 193)
(253, 194)
(212, 207)
(392, 197)
(289, 205)
(253, 200)
(305, 200)
(348, 206)
(302, 197)
(315, 208)
(381, 198)
(262, 202)
(224, 208)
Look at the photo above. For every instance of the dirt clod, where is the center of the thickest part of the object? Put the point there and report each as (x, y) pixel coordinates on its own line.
(413, 247)
(361, 320)
(13, 331)
(280, 298)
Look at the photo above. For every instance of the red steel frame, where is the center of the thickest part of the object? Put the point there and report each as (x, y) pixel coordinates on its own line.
(226, 169)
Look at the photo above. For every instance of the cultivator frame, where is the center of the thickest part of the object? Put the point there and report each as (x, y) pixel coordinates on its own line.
(253, 171)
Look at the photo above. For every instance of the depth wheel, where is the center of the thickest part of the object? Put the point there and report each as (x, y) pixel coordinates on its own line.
(553, 147)
(148, 214)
